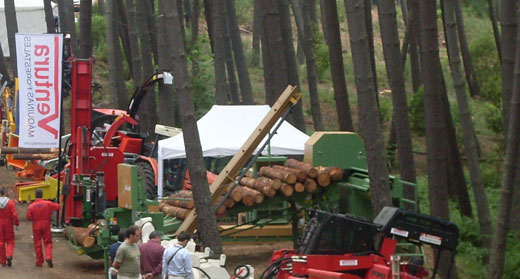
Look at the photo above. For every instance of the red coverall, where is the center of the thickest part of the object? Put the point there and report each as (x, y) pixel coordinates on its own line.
(8, 218)
(40, 213)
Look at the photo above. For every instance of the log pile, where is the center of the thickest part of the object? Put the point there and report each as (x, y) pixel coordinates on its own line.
(84, 237)
(294, 177)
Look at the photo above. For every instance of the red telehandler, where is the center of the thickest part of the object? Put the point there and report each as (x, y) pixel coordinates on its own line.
(342, 246)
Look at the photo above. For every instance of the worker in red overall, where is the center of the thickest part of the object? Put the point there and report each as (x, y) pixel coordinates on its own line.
(40, 212)
(8, 219)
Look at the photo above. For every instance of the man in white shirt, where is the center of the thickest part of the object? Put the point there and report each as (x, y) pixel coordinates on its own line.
(176, 262)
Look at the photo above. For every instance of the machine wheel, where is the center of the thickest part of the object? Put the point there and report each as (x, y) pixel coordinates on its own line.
(148, 175)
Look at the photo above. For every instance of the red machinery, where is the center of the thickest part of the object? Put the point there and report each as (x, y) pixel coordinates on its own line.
(339, 246)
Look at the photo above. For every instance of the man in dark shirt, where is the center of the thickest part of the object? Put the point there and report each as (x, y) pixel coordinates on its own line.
(151, 256)
(113, 248)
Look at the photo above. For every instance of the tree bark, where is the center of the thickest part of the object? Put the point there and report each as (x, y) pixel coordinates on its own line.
(12, 28)
(298, 19)
(370, 34)
(122, 94)
(133, 36)
(67, 25)
(468, 130)
(194, 26)
(221, 85)
(101, 7)
(124, 33)
(207, 223)
(3, 68)
(112, 47)
(49, 17)
(85, 29)
(330, 12)
(494, 23)
(220, 7)
(152, 28)
(150, 113)
(209, 22)
(310, 60)
(296, 118)
(474, 88)
(498, 248)
(370, 127)
(415, 64)
(273, 54)
(395, 70)
(165, 48)
(434, 117)
(255, 44)
(238, 52)
(509, 25)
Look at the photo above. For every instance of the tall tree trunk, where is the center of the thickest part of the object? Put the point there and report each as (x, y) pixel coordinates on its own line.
(494, 23)
(238, 52)
(209, 22)
(49, 17)
(3, 68)
(67, 25)
(146, 58)
(415, 64)
(293, 77)
(323, 24)
(474, 88)
(221, 85)
(207, 223)
(313, 11)
(312, 78)
(369, 125)
(255, 45)
(152, 28)
(85, 29)
(330, 13)
(434, 118)
(112, 46)
(133, 36)
(220, 7)
(298, 19)
(124, 33)
(498, 248)
(468, 131)
(508, 43)
(395, 70)
(12, 28)
(101, 7)
(370, 34)
(187, 12)
(195, 21)
(165, 46)
(273, 54)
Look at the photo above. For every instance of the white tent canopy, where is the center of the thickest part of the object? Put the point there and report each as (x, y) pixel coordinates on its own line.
(30, 17)
(223, 131)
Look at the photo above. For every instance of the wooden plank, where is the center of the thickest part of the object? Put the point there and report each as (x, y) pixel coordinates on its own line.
(287, 98)
(250, 231)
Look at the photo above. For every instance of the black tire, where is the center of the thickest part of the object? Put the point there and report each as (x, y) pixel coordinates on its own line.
(147, 174)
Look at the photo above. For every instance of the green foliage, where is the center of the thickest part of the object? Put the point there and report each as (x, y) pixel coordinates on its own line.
(321, 53)
(244, 10)
(385, 110)
(416, 112)
(203, 96)
(99, 38)
(488, 71)
(477, 7)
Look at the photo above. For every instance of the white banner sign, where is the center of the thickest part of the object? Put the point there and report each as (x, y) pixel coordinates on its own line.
(39, 73)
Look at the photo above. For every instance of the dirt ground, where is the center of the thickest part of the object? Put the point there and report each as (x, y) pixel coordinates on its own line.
(68, 264)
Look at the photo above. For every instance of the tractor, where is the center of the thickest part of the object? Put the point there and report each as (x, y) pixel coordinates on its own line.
(348, 247)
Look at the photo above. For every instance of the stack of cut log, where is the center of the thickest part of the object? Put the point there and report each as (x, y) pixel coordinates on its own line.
(84, 237)
(295, 176)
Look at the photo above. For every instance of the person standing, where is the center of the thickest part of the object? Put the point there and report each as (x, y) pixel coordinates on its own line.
(151, 256)
(127, 260)
(39, 213)
(112, 250)
(176, 261)
(8, 219)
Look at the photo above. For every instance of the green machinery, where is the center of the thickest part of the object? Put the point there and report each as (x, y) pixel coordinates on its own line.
(350, 195)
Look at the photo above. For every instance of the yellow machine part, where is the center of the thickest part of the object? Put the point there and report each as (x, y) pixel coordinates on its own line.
(49, 188)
